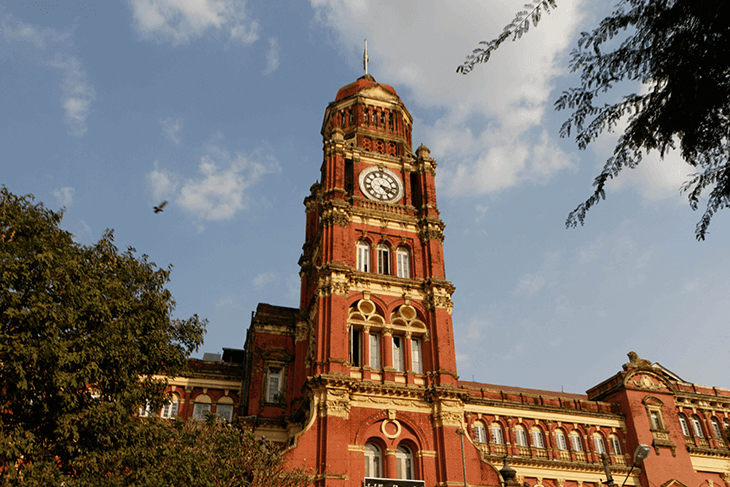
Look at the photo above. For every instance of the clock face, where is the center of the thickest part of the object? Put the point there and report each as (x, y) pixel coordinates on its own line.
(381, 185)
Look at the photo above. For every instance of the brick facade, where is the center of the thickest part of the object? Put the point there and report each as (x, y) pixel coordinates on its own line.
(361, 381)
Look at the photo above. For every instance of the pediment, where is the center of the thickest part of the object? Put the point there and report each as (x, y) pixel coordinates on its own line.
(377, 92)
(647, 381)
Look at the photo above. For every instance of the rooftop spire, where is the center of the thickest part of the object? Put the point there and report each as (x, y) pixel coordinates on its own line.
(365, 58)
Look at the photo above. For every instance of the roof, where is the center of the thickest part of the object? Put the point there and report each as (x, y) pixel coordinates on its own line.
(363, 82)
(522, 390)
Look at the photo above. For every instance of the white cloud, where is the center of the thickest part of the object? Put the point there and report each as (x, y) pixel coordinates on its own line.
(162, 182)
(179, 21)
(488, 123)
(264, 279)
(77, 93)
(531, 284)
(219, 191)
(171, 127)
(272, 56)
(64, 196)
(52, 47)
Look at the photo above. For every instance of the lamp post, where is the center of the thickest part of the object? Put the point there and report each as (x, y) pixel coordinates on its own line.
(642, 451)
(461, 432)
(508, 474)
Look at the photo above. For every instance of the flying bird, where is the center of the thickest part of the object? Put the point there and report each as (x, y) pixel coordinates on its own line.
(159, 208)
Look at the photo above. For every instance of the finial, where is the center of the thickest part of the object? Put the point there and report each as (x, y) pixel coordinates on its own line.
(365, 58)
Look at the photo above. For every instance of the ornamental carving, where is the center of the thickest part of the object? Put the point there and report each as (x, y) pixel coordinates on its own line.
(644, 381)
(300, 331)
(427, 234)
(336, 403)
(335, 218)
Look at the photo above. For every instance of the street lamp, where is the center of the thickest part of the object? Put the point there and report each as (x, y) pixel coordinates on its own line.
(642, 451)
(508, 474)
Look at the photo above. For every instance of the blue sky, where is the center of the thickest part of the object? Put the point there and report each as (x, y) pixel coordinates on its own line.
(110, 107)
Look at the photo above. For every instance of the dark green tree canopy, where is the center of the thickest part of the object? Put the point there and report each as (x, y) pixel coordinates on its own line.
(83, 331)
(680, 51)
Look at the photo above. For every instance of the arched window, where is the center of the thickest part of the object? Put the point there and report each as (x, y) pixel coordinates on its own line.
(497, 434)
(537, 439)
(398, 353)
(363, 257)
(615, 444)
(480, 432)
(716, 428)
(170, 409)
(404, 463)
(575, 441)
(697, 426)
(383, 259)
(598, 443)
(201, 407)
(560, 441)
(416, 356)
(403, 263)
(224, 409)
(520, 435)
(355, 346)
(683, 424)
(274, 386)
(375, 350)
(373, 461)
(655, 422)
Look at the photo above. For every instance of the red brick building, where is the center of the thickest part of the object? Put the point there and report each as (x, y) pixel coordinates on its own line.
(360, 381)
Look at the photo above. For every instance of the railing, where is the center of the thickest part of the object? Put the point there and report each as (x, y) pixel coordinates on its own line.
(499, 449)
(563, 455)
(580, 456)
(524, 450)
(702, 442)
(619, 459)
(539, 453)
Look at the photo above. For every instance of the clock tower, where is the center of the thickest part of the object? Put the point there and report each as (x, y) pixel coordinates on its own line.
(360, 381)
(373, 279)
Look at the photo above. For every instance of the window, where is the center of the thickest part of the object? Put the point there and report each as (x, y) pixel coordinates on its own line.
(560, 440)
(146, 411)
(225, 412)
(273, 389)
(416, 356)
(403, 262)
(537, 440)
(716, 428)
(615, 445)
(404, 463)
(398, 354)
(363, 257)
(599, 444)
(355, 347)
(480, 432)
(170, 409)
(383, 260)
(497, 435)
(373, 461)
(575, 441)
(375, 350)
(654, 418)
(200, 410)
(697, 427)
(521, 436)
(683, 424)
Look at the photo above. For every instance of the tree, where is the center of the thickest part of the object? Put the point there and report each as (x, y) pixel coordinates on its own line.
(680, 51)
(83, 331)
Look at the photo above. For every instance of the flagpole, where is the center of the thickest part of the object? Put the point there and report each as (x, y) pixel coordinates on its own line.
(365, 58)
